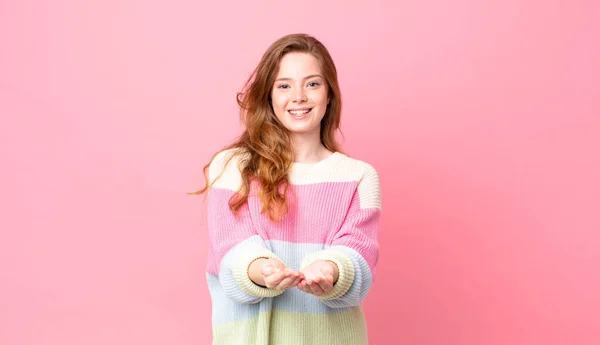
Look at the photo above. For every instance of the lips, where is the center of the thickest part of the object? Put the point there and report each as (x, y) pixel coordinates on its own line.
(299, 112)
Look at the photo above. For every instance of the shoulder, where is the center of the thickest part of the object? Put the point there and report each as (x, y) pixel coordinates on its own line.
(337, 168)
(225, 169)
(356, 169)
(367, 178)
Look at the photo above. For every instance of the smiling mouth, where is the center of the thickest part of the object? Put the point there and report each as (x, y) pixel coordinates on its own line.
(299, 112)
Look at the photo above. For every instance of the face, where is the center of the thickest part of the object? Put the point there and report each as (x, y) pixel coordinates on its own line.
(300, 94)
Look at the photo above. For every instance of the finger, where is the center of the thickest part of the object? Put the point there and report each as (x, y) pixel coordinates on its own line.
(305, 288)
(326, 286)
(289, 276)
(280, 276)
(328, 277)
(294, 281)
(327, 274)
(267, 271)
(285, 283)
(297, 277)
(270, 268)
(272, 280)
(310, 277)
(303, 285)
(297, 280)
(315, 288)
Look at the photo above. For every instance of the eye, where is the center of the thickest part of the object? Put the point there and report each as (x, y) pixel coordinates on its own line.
(283, 86)
(313, 84)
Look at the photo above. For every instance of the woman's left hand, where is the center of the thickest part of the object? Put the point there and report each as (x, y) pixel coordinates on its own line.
(319, 277)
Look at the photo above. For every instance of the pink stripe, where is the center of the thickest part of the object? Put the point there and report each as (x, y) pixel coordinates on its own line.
(327, 213)
(224, 229)
(360, 234)
(316, 211)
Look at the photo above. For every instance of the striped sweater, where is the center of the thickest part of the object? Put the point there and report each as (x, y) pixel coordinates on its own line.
(333, 215)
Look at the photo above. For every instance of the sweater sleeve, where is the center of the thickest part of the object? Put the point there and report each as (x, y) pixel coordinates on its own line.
(233, 241)
(354, 248)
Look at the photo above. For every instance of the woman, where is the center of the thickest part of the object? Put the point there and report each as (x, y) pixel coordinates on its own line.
(292, 221)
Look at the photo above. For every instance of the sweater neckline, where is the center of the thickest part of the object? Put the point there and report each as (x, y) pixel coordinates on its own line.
(298, 167)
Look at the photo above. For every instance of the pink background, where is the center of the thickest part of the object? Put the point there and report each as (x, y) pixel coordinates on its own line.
(482, 117)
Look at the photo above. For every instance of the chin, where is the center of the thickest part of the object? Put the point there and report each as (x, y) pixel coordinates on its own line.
(300, 130)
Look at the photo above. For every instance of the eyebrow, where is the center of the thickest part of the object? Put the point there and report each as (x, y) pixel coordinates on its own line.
(307, 77)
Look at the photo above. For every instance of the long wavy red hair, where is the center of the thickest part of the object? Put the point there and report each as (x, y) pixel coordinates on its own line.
(264, 148)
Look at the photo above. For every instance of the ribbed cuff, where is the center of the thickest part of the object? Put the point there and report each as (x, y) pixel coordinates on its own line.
(345, 271)
(240, 274)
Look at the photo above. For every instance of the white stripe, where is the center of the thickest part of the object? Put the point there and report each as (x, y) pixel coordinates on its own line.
(336, 168)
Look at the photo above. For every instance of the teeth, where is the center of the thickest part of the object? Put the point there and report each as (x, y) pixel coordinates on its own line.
(299, 112)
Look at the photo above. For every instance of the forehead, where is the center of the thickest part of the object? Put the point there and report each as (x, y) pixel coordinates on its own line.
(298, 65)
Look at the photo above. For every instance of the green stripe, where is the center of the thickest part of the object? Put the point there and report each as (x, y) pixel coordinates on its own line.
(344, 328)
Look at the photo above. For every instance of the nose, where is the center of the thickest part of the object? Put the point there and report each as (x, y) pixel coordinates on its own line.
(300, 95)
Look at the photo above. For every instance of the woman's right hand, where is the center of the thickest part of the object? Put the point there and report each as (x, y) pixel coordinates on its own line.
(273, 274)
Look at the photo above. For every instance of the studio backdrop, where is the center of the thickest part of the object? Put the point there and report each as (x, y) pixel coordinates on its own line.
(481, 117)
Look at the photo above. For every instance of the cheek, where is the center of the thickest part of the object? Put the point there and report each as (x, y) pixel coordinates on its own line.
(321, 98)
(279, 103)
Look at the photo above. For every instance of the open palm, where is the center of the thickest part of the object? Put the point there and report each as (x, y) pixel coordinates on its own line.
(319, 277)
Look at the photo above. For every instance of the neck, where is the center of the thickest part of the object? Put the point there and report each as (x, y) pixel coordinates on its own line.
(308, 148)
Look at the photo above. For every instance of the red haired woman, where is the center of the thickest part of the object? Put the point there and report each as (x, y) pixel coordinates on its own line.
(292, 221)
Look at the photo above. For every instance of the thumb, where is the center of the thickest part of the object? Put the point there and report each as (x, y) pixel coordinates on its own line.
(267, 270)
(270, 268)
(326, 269)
